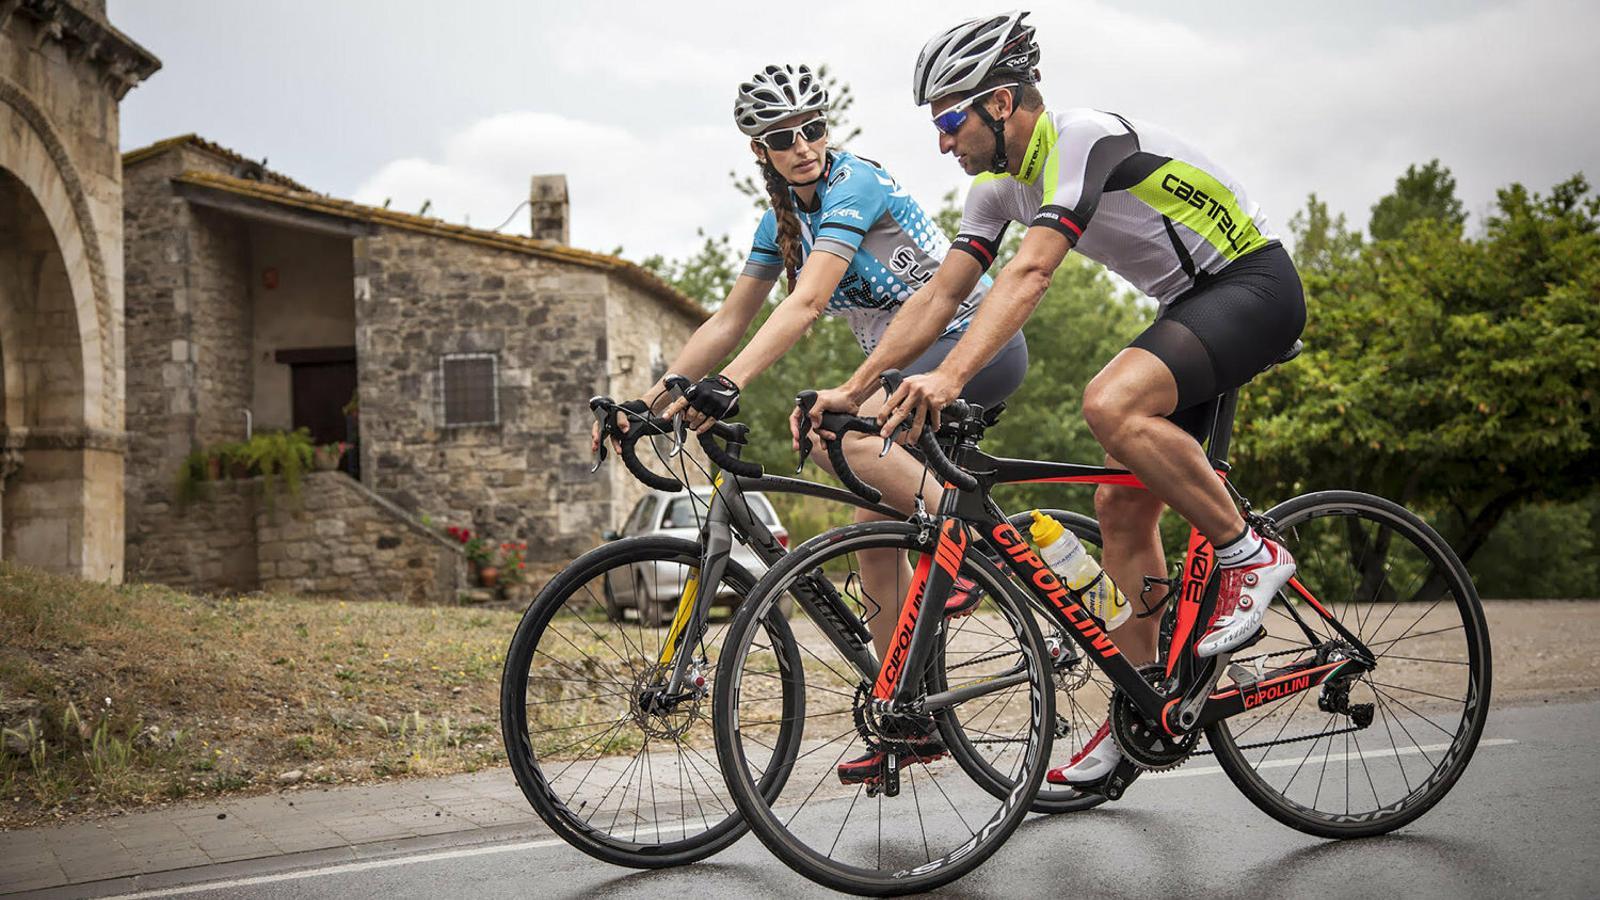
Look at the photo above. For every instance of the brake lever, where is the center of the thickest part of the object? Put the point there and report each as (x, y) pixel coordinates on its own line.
(605, 417)
(804, 401)
(677, 388)
(889, 441)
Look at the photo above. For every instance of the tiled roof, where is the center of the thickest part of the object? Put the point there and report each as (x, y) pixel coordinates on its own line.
(300, 198)
(197, 142)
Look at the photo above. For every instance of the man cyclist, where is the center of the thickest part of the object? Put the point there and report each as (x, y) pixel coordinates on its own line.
(1161, 214)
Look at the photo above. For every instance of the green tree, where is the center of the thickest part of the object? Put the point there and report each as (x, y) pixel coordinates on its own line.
(1458, 376)
(1425, 193)
(1321, 240)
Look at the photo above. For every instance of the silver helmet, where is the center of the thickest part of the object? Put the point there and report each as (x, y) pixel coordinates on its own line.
(958, 60)
(776, 93)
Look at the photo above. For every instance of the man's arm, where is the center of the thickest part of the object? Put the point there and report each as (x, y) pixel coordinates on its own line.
(1015, 295)
(917, 323)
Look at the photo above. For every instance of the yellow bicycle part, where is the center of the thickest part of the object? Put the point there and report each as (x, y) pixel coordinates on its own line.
(681, 619)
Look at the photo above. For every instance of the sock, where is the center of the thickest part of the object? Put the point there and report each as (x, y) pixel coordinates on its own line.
(1246, 549)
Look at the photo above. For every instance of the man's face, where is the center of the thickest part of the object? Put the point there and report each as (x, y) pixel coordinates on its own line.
(972, 144)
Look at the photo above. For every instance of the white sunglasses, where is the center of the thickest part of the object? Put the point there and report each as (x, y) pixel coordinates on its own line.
(784, 138)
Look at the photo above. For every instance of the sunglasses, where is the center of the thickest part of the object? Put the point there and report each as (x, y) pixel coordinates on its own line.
(951, 120)
(784, 138)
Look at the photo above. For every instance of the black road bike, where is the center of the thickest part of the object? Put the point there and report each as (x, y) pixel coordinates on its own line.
(606, 720)
(1350, 714)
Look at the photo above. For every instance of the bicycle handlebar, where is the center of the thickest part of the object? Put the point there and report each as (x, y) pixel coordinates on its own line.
(841, 423)
(605, 410)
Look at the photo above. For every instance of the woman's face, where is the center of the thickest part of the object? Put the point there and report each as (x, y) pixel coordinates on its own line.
(802, 161)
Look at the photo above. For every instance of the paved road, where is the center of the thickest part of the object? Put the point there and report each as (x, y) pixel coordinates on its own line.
(1523, 820)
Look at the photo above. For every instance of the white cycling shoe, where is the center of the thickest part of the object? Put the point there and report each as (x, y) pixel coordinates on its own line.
(1094, 763)
(1243, 598)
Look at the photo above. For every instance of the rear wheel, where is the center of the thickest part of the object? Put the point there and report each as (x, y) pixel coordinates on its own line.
(1367, 754)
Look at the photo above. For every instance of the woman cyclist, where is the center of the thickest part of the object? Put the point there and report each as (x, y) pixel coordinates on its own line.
(849, 242)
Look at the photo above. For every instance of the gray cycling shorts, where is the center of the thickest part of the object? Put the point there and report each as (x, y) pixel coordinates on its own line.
(994, 382)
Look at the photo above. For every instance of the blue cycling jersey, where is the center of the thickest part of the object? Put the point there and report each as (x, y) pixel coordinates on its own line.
(893, 247)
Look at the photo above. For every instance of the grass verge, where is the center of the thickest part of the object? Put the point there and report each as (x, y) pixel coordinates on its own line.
(116, 697)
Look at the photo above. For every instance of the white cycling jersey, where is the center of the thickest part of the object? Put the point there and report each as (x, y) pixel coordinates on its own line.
(1130, 195)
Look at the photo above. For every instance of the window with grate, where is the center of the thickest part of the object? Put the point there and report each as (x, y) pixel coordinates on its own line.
(471, 389)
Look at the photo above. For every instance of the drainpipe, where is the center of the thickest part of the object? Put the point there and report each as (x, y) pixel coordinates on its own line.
(249, 423)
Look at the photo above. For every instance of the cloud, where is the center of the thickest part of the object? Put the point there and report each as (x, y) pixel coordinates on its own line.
(1499, 93)
(626, 188)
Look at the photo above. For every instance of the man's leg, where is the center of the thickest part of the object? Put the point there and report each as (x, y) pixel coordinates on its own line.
(1130, 537)
(1126, 407)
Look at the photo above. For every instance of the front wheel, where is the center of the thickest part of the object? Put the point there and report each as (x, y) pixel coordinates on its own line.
(1367, 754)
(850, 830)
(1083, 692)
(615, 767)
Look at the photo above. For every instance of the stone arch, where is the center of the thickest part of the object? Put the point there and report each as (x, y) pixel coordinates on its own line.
(32, 152)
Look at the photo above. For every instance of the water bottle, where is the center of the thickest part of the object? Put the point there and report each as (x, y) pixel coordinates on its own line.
(1066, 556)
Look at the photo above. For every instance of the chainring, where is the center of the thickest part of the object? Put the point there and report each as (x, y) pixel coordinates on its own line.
(1145, 744)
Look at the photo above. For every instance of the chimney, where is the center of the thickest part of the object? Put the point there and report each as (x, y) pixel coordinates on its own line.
(547, 204)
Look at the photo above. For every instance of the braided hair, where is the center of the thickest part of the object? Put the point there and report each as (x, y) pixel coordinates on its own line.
(788, 220)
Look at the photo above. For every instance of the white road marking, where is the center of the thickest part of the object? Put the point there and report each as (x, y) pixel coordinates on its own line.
(1375, 755)
(347, 868)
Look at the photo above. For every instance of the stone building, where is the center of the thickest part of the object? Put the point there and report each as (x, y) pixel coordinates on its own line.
(63, 70)
(254, 302)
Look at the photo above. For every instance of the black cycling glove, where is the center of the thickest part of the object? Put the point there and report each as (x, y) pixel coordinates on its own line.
(715, 396)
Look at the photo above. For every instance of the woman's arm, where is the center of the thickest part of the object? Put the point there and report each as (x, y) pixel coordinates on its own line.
(790, 321)
(717, 336)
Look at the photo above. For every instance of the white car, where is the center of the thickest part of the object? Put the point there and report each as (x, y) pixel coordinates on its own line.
(654, 588)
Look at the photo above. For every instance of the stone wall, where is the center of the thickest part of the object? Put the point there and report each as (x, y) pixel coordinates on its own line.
(189, 322)
(345, 540)
(417, 298)
(62, 72)
(208, 545)
(644, 335)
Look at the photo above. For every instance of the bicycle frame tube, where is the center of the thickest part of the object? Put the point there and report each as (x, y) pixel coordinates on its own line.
(959, 513)
(728, 516)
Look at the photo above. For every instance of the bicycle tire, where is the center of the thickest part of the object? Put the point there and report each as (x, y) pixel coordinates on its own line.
(565, 815)
(899, 877)
(1304, 522)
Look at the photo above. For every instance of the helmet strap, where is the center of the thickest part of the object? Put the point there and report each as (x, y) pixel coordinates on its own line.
(998, 126)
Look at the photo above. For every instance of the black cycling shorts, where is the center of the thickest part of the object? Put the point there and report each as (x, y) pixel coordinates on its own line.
(1225, 330)
(995, 382)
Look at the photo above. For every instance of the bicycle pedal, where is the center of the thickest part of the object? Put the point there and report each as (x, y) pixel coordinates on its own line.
(1242, 677)
(1112, 786)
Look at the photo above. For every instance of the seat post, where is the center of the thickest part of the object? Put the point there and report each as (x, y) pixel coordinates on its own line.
(1222, 428)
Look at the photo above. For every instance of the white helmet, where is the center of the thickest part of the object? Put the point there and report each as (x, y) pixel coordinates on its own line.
(961, 58)
(776, 93)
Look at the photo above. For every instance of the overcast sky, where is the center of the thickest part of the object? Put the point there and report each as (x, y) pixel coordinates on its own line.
(461, 102)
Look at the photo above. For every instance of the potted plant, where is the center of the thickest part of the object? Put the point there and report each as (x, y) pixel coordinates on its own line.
(513, 564)
(478, 554)
(279, 454)
(232, 460)
(326, 456)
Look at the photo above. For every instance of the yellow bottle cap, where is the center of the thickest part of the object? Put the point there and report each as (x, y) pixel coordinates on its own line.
(1045, 530)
